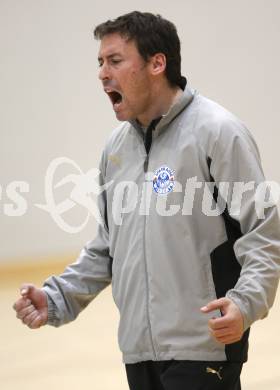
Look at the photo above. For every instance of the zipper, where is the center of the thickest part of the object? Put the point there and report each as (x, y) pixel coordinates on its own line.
(146, 163)
(148, 140)
(148, 294)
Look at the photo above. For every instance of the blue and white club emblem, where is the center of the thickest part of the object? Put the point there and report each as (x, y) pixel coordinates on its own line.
(163, 181)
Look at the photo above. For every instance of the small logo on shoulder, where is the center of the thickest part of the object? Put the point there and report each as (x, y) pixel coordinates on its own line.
(163, 181)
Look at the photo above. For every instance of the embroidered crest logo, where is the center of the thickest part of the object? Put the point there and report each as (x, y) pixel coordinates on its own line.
(163, 181)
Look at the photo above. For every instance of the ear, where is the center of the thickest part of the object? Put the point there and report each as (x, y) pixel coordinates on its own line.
(157, 64)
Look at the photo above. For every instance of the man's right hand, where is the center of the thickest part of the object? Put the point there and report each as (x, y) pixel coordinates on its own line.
(32, 307)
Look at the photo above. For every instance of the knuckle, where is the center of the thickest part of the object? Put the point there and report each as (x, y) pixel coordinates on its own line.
(29, 309)
(21, 314)
(23, 303)
(35, 324)
(212, 324)
(231, 321)
(27, 319)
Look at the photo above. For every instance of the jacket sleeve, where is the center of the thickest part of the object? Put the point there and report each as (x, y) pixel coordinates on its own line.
(235, 159)
(69, 293)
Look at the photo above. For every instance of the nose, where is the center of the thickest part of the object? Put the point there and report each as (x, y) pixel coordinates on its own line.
(103, 72)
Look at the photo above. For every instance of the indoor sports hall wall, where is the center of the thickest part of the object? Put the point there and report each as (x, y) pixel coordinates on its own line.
(52, 103)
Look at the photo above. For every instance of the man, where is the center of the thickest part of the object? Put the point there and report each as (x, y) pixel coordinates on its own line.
(189, 281)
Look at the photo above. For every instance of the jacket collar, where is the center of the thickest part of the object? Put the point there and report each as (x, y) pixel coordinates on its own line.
(184, 100)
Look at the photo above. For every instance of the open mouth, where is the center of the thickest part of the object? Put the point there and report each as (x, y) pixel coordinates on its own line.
(115, 97)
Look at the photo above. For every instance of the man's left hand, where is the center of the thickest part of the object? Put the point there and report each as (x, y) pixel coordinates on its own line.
(229, 328)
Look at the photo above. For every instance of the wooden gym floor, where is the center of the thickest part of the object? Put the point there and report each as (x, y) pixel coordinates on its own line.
(85, 355)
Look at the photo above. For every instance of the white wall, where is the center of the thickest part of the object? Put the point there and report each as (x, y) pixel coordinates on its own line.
(52, 103)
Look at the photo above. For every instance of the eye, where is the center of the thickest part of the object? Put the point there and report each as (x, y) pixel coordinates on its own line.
(115, 62)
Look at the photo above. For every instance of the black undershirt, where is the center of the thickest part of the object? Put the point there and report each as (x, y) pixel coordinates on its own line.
(149, 134)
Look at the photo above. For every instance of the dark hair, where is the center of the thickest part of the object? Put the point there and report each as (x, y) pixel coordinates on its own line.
(152, 34)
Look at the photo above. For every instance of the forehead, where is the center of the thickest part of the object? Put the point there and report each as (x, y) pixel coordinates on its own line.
(116, 44)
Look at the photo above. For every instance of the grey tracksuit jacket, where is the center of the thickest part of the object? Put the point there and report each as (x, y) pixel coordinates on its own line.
(169, 254)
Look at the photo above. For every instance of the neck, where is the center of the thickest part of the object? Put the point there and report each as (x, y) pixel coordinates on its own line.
(162, 101)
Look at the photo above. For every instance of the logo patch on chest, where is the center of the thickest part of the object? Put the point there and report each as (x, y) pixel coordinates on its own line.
(163, 181)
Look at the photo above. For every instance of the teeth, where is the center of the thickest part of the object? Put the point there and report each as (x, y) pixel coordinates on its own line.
(107, 90)
(115, 96)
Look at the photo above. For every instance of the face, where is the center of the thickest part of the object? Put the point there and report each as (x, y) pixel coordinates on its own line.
(125, 76)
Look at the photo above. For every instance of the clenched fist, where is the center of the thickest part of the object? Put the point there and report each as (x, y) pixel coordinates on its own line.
(32, 307)
(229, 328)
